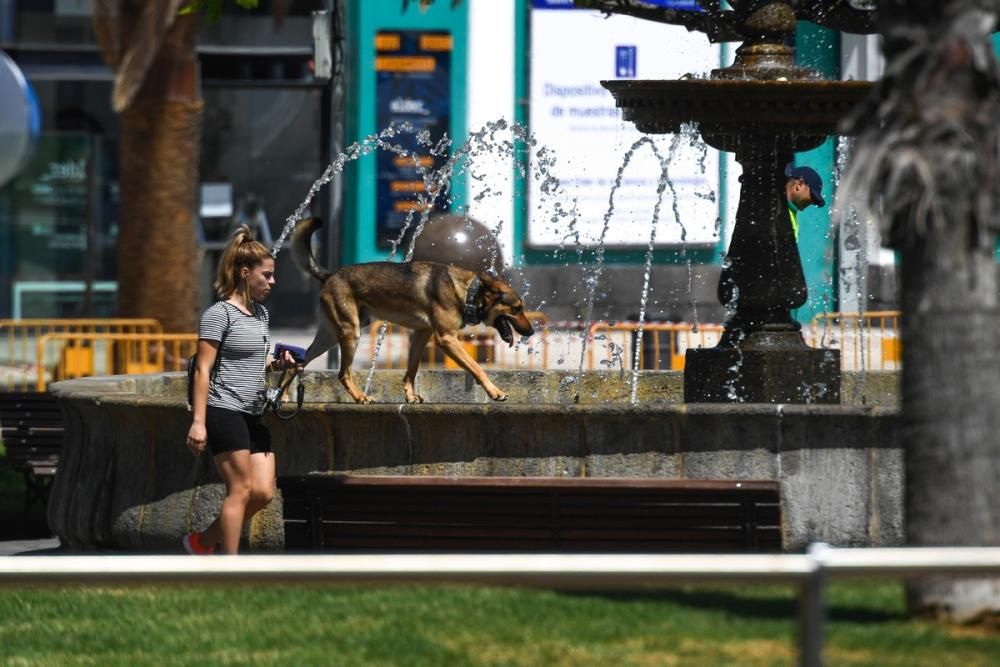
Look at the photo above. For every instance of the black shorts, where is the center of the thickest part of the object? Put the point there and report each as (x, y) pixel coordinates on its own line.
(230, 431)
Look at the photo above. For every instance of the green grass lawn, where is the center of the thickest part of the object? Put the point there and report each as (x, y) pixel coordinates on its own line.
(459, 625)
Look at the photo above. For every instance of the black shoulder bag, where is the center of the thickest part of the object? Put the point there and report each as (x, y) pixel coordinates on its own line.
(193, 362)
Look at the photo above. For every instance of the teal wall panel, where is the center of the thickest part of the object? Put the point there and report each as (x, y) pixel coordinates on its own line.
(366, 18)
(819, 49)
(996, 50)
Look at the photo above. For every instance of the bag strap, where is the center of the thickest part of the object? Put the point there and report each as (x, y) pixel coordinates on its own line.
(193, 361)
(222, 341)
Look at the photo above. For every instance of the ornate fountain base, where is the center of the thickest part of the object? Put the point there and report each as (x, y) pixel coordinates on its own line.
(770, 366)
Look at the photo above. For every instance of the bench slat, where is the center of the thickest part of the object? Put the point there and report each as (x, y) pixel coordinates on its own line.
(298, 537)
(546, 483)
(32, 427)
(625, 521)
(441, 545)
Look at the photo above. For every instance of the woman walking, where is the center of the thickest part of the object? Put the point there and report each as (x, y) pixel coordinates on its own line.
(234, 344)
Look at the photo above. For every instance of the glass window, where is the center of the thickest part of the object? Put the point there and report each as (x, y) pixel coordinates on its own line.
(61, 22)
(265, 144)
(58, 217)
(257, 28)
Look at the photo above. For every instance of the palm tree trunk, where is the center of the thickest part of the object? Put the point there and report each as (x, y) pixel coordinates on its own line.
(161, 136)
(951, 411)
(928, 157)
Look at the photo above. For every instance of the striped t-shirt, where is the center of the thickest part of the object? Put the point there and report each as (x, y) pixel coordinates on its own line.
(238, 376)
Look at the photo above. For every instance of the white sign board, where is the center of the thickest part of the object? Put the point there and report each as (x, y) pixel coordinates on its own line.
(576, 119)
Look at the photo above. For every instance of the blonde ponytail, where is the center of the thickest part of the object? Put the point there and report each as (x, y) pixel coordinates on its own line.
(241, 251)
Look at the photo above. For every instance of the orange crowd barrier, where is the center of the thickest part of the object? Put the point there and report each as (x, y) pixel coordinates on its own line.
(867, 341)
(87, 354)
(18, 343)
(481, 342)
(663, 346)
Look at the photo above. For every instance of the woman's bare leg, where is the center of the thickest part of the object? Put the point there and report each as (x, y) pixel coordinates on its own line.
(235, 470)
(262, 480)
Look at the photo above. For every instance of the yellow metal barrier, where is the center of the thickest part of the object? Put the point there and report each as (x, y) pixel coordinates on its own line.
(18, 349)
(679, 337)
(121, 354)
(481, 342)
(867, 341)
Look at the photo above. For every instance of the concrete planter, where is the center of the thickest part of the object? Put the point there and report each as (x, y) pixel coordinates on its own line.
(126, 480)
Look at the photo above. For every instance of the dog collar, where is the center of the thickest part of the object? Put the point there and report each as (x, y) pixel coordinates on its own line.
(472, 313)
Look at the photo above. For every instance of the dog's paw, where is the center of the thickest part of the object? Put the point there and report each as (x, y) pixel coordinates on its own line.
(366, 399)
(417, 398)
(501, 397)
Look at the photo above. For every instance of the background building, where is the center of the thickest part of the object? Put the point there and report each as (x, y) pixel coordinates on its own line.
(271, 126)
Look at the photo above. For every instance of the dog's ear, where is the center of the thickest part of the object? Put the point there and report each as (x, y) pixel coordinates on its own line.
(498, 290)
(493, 281)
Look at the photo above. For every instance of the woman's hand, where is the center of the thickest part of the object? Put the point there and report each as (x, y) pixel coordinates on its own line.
(284, 362)
(196, 438)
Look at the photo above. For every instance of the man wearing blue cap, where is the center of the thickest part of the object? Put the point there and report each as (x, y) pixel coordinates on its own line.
(802, 188)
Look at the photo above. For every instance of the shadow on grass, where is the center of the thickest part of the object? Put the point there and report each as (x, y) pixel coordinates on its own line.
(780, 606)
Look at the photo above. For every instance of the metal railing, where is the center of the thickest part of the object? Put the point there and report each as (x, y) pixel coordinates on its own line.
(810, 572)
(663, 346)
(19, 350)
(609, 344)
(481, 342)
(867, 341)
(87, 354)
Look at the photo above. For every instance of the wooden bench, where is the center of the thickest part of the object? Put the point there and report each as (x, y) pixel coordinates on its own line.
(344, 514)
(31, 426)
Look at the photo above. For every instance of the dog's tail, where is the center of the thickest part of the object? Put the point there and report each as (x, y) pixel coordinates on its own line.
(301, 250)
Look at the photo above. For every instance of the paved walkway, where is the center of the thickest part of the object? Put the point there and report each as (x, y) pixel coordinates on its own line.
(33, 547)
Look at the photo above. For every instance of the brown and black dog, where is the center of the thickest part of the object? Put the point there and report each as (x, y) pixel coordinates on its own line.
(431, 299)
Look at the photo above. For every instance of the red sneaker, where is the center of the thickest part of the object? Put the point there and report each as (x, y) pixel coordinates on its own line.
(193, 545)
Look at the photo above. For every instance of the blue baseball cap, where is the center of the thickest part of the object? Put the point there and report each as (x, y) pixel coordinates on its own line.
(811, 178)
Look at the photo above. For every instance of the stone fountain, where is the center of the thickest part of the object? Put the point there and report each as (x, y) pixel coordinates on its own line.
(764, 108)
(126, 481)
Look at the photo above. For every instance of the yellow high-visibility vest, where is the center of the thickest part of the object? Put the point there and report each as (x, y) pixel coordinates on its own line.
(794, 215)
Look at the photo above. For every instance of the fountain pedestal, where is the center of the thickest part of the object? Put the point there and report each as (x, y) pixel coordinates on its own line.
(762, 357)
(771, 366)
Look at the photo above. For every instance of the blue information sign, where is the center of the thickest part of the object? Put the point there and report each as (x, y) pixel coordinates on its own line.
(413, 84)
(625, 57)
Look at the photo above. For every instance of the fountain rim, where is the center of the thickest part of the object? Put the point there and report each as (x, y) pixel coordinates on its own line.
(838, 88)
(135, 391)
(792, 108)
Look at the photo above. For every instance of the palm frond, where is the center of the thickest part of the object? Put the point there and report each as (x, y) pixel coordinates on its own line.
(107, 30)
(153, 21)
(928, 137)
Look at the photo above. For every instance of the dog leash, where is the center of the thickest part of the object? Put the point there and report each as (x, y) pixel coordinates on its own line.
(272, 397)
